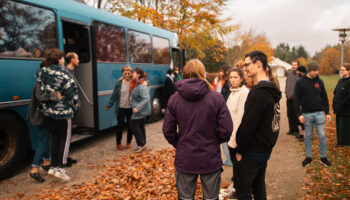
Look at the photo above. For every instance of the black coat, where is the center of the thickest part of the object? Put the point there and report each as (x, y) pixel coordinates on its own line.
(225, 91)
(169, 89)
(341, 100)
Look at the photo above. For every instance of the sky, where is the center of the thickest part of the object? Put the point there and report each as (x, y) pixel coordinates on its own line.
(297, 22)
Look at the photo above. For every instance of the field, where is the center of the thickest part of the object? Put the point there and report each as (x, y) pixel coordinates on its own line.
(329, 182)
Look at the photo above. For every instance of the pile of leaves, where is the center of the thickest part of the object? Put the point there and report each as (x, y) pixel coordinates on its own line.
(149, 175)
(329, 182)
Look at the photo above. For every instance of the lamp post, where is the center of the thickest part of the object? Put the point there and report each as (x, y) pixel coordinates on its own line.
(342, 39)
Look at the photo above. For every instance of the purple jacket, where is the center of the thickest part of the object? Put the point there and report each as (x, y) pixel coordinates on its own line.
(204, 122)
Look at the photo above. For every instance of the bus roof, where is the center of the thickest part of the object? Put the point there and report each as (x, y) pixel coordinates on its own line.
(73, 9)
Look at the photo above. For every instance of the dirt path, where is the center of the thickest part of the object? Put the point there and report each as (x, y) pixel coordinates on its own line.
(284, 174)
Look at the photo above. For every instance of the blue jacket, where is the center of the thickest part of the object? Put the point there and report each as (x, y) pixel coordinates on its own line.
(140, 100)
(115, 98)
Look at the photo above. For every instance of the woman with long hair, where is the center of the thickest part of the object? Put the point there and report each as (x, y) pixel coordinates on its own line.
(121, 98)
(141, 107)
(341, 106)
(196, 122)
(235, 104)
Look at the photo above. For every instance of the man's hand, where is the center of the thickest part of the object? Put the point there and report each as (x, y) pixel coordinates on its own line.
(134, 110)
(302, 119)
(328, 118)
(59, 95)
(238, 157)
(106, 107)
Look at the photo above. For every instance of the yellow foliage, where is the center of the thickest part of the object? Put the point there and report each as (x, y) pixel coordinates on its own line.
(330, 60)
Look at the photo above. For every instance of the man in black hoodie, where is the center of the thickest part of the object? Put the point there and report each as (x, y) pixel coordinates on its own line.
(258, 131)
(312, 106)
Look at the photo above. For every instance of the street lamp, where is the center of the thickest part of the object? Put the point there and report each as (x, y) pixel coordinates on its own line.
(342, 38)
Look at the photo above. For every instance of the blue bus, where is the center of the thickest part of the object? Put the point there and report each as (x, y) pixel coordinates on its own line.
(104, 42)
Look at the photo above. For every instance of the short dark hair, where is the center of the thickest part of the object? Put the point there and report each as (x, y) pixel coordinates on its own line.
(170, 71)
(52, 56)
(43, 64)
(70, 56)
(312, 66)
(258, 56)
(346, 65)
(140, 71)
(301, 68)
(297, 61)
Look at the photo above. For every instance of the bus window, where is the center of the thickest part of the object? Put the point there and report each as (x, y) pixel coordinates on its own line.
(139, 47)
(76, 39)
(25, 30)
(110, 43)
(161, 50)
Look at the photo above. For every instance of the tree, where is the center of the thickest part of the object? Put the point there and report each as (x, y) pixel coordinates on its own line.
(197, 22)
(330, 61)
(287, 54)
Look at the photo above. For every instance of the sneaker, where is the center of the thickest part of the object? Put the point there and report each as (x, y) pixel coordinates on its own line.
(120, 147)
(306, 162)
(140, 149)
(128, 146)
(137, 148)
(36, 176)
(231, 195)
(46, 168)
(326, 162)
(52, 171)
(61, 174)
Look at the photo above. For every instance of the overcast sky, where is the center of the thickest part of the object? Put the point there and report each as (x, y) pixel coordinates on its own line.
(305, 22)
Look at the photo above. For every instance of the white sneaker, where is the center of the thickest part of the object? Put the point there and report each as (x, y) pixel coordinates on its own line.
(61, 173)
(52, 171)
(140, 149)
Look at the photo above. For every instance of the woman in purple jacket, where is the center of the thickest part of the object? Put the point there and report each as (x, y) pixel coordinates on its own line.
(204, 122)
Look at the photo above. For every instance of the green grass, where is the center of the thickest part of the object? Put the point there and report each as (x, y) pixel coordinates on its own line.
(330, 82)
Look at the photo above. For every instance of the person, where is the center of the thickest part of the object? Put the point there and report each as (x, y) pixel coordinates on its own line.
(178, 74)
(169, 85)
(55, 78)
(72, 60)
(248, 80)
(35, 117)
(312, 106)
(289, 90)
(272, 77)
(141, 107)
(341, 106)
(121, 98)
(197, 139)
(235, 104)
(256, 138)
(301, 71)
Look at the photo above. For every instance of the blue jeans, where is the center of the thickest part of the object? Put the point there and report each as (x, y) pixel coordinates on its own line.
(318, 119)
(43, 150)
(227, 161)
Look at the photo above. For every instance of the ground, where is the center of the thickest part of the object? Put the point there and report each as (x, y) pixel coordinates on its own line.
(284, 179)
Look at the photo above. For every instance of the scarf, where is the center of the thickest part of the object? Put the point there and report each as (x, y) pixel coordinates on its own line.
(135, 83)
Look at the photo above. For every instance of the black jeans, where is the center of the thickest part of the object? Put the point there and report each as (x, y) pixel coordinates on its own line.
(138, 129)
(233, 160)
(59, 143)
(250, 179)
(292, 117)
(122, 114)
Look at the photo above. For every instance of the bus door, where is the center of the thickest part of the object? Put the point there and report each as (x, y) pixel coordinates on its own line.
(76, 38)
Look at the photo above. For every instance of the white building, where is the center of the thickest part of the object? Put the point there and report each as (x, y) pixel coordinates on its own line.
(279, 67)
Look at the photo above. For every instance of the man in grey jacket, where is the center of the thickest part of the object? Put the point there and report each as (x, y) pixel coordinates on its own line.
(291, 110)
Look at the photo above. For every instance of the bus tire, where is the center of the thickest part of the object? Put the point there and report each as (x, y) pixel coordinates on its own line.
(13, 145)
(156, 109)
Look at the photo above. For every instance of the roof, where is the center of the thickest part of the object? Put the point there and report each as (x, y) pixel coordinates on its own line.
(276, 62)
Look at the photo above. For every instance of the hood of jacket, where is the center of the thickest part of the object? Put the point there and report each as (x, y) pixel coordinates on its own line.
(270, 87)
(192, 89)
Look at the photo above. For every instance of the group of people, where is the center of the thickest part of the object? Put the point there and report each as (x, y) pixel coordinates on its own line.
(198, 119)
(53, 105)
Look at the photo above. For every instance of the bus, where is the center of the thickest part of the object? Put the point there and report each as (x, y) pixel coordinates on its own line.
(104, 42)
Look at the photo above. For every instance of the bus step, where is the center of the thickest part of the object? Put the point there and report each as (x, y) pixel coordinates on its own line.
(77, 137)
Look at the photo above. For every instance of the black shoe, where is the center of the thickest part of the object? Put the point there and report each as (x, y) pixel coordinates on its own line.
(326, 162)
(37, 177)
(306, 162)
(71, 160)
(46, 168)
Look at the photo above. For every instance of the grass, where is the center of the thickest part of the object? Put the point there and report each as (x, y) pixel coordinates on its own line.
(329, 182)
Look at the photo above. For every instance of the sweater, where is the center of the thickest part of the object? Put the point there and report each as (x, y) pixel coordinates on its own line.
(235, 104)
(341, 100)
(140, 100)
(310, 96)
(58, 79)
(259, 128)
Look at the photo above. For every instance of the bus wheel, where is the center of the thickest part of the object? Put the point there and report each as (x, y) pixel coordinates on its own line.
(156, 109)
(12, 144)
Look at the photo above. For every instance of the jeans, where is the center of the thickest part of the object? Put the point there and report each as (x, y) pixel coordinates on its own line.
(319, 120)
(43, 150)
(292, 117)
(227, 160)
(138, 130)
(250, 179)
(122, 114)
